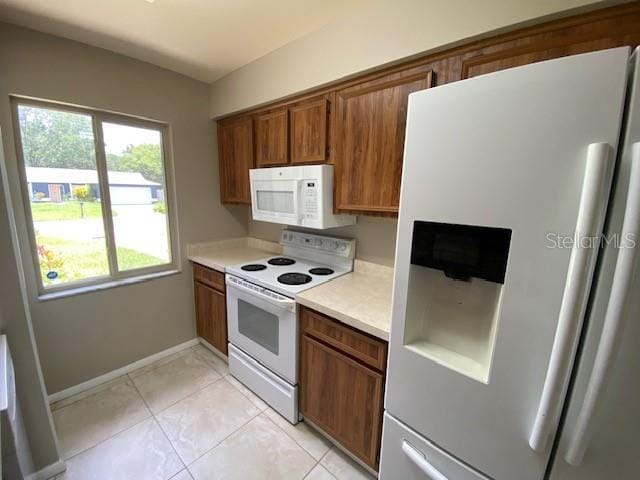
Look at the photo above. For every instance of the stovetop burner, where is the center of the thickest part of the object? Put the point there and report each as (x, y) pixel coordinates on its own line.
(281, 261)
(253, 267)
(294, 278)
(321, 271)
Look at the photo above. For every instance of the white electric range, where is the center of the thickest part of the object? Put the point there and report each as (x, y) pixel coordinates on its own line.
(262, 314)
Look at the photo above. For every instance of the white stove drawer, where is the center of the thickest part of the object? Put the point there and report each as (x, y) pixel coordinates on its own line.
(279, 394)
(409, 456)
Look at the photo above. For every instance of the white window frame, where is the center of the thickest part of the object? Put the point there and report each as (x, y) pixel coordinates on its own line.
(115, 277)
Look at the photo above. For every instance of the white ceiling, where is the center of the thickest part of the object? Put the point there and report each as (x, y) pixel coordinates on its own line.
(204, 39)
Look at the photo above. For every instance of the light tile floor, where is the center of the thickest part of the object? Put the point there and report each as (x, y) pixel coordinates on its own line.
(185, 418)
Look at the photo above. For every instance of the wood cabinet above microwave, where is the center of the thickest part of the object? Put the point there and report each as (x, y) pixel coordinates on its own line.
(362, 119)
(308, 130)
(294, 134)
(272, 138)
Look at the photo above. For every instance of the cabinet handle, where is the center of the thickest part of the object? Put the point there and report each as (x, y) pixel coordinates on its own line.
(420, 460)
(614, 316)
(569, 320)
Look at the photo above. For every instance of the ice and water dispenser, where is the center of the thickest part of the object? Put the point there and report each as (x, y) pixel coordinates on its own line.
(454, 295)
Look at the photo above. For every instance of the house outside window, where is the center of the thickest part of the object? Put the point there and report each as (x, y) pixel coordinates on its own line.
(98, 194)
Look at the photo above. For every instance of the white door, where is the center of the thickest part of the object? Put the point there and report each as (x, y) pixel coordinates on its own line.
(600, 435)
(526, 151)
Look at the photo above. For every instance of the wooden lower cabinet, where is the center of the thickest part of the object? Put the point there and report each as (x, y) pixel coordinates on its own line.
(341, 395)
(211, 315)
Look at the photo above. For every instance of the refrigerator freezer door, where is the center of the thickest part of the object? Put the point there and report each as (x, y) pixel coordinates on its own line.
(412, 457)
(468, 359)
(599, 436)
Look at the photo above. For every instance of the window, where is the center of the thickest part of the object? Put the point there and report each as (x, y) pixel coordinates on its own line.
(96, 188)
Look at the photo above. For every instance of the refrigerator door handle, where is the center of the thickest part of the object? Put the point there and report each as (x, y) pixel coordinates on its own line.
(420, 461)
(614, 317)
(590, 214)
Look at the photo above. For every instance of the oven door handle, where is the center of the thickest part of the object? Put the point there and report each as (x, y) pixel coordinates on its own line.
(262, 293)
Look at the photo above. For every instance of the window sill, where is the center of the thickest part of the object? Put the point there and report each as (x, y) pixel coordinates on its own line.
(121, 282)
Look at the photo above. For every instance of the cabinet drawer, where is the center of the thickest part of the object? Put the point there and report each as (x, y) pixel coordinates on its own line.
(368, 350)
(209, 277)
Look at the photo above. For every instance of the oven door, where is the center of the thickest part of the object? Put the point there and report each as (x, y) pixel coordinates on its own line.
(276, 201)
(263, 324)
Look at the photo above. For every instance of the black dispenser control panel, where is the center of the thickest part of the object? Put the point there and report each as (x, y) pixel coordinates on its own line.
(461, 251)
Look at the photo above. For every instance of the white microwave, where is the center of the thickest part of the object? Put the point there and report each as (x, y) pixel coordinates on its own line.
(301, 196)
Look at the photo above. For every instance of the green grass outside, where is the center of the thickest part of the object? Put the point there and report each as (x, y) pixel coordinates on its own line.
(47, 211)
(88, 259)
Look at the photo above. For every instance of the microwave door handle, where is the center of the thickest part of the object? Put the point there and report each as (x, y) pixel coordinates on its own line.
(299, 201)
(614, 317)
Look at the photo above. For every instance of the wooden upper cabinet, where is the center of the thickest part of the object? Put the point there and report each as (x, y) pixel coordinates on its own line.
(308, 131)
(235, 152)
(272, 138)
(370, 120)
(599, 30)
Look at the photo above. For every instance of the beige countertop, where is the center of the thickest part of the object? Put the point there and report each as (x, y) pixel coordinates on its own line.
(361, 299)
(222, 254)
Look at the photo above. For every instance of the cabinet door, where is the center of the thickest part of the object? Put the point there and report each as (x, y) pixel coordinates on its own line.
(211, 316)
(272, 138)
(308, 131)
(342, 397)
(235, 152)
(370, 121)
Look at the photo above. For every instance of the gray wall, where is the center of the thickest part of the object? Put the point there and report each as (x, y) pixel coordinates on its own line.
(377, 33)
(376, 236)
(81, 337)
(15, 322)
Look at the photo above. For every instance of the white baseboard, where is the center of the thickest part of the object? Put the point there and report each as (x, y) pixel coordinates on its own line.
(48, 472)
(94, 382)
(217, 352)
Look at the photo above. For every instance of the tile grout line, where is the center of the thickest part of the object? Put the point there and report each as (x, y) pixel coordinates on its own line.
(160, 363)
(116, 433)
(222, 440)
(296, 442)
(317, 462)
(126, 377)
(164, 434)
(183, 398)
(151, 414)
(222, 377)
(303, 449)
(108, 438)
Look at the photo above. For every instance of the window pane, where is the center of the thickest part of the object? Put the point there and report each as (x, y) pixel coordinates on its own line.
(62, 184)
(137, 189)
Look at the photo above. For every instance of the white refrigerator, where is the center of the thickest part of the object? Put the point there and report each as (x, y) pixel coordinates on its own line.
(515, 337)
